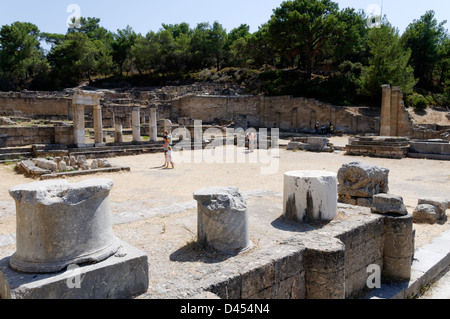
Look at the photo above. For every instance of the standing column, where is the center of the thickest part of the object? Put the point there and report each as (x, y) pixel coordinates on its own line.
(395, 104)
(153, 129)
(79, 126)
(136, 123)
(98, 126)
(385, 129)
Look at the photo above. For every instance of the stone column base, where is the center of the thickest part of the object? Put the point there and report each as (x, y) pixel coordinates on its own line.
(122, 276)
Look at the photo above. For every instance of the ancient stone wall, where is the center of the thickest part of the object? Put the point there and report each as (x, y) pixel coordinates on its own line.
(284, 112)
(22, 136)
(32, 105)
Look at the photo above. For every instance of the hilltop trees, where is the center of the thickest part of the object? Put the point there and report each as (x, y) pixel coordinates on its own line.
(389, 63)
(21, 56)
(307, 48)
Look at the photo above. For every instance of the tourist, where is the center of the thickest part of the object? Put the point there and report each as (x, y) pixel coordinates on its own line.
(168, 137)
(252, 141)
(169, 157)
(317, 128)
(330, 129)
(166, 146)
(323, 129)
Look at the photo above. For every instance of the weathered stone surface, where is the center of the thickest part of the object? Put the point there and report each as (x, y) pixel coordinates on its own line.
(398, 247)
(426, 214)
(62, 166)
(388, 204)
(46, 164)
(440, 204)
(72, 161)
(104, 163)
(60, 224)
(222, 219)
(121, 276)
(310, 196)
(94, 164)
(362, 180)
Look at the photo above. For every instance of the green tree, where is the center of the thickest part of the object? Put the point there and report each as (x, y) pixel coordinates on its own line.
(21, 56)
(423, 37)
(121, 45)
(389, 63)
(74, 60)
(301, 29)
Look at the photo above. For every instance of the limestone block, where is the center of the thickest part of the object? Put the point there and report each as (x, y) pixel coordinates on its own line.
(59, 224)
(94, 164)
(388, 204)
(310, 196)
(72, 161)
(46, 164)
(81, 159)
(62, 166)
(104, 163)
(440, 204)
(426, 214)
(362, 180)
(222, 219)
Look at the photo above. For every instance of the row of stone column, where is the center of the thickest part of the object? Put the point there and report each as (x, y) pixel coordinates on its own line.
(82, 99)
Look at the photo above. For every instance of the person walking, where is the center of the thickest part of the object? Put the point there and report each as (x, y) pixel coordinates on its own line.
(169, 158)
(166, 146)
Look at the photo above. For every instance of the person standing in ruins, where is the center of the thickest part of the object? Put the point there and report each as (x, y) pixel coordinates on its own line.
(169, 157)
(166, 146)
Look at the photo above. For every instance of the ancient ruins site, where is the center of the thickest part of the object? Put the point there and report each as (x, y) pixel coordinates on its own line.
(300, 216)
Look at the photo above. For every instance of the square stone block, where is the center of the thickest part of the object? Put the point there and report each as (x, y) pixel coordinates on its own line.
(122, 276)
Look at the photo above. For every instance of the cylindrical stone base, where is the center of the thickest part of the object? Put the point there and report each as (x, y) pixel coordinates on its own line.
(118, 134)
(59, 224)
(398, 247)
(310, 196)
(222, 219)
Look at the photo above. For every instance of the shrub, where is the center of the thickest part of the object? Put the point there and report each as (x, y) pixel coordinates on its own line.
(417, 101)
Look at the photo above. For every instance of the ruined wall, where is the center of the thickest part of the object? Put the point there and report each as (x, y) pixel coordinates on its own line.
(284, 112)
(32, 105)
(22, 136)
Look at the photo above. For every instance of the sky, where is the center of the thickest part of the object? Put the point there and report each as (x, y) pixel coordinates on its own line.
(145, 15)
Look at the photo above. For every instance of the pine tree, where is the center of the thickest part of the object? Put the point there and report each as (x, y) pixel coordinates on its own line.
(389, 63)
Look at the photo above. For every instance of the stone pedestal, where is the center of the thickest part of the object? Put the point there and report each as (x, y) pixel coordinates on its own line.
(310, 196)
(222, 219)
(66, 248)
(59, 224)
(118, 134)
(122, 276)
(398, 247)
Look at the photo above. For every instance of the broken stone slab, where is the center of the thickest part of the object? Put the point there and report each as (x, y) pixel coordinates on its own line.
(59, 224)
(310, 196)
(46, 164)
(388, 204)
(440, 204)
(222, 219)
(362, 180)
(426, 214)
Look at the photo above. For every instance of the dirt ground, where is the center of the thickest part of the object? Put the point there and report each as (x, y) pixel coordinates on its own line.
(148, 188)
